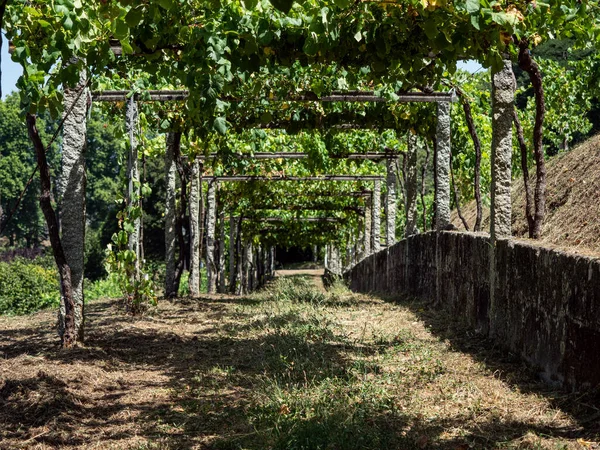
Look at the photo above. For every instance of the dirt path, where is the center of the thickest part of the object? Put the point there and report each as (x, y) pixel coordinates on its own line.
(289, 368)
(316, 276)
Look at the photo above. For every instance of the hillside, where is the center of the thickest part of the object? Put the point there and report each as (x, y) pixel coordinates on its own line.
(573, 201)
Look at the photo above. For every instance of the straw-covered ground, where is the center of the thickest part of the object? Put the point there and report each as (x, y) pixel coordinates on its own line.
(291, 367)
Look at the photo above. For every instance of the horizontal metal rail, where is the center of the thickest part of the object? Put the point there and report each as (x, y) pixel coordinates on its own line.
(293, 178)
(372, 156)
(348, 97)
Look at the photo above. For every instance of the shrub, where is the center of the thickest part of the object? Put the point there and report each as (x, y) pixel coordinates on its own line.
(26, 286)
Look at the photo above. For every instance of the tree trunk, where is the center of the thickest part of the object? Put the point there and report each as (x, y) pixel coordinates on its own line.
(69, 333)
(477, 146)
(527, 64)
(182, 219)
(525, 169)
(170, 215)
(72, 190)
(456, 198)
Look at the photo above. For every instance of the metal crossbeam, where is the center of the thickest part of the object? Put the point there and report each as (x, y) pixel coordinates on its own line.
(372, 156)
(348, 97)
(292, 178)
(296, 219)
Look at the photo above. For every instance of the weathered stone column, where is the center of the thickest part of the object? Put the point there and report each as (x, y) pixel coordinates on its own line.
(133, 177)
(410, 186)
(211, 219)
(503, 98)
(368, 234)
(335, 265)
(232, 238)
(222, 250)
(376, 217)
(72, 191)
(239, 264)
(390, 202)
(194, 208)
(442, 193)
(315, 252)
(247, 268)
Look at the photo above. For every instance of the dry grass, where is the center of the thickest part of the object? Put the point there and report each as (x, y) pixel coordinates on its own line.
(289, 368)
(573, 202)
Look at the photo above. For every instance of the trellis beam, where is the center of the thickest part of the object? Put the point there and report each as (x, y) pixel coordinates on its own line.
(294, 178)
(372, 156)
(337, 96)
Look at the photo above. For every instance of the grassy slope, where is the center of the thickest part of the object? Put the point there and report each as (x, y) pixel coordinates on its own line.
(291, 367)
(573, 201)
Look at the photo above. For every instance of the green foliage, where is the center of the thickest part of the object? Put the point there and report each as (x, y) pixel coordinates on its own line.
(26, 287)
(137, 287)
(104, 288)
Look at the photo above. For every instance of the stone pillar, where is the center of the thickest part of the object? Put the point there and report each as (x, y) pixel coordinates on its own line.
(170, 215)
(335, 264)
(222, 251)
(194, 208)
(390, 202)
(72, 190)
(503, 97)
(442, 193)
(410, 186)
(376, 217)
(133, 177)
(315, 252)
(368, 234)
(211, 219)
(232, 238)
(247, 268)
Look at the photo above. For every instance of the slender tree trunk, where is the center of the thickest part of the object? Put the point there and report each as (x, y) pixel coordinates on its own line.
(527, 64)
(182, 217)
(170, 215)
(525, 169)
(477, 146)
(423, 175)
(2, 11)
(456, 197)
(69, 332)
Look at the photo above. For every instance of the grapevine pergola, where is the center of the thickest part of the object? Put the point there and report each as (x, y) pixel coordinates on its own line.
(243, 65)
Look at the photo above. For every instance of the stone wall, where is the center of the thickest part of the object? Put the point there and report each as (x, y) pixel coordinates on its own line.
(540, 303)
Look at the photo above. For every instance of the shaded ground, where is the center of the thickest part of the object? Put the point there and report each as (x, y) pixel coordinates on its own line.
(288, 368)
(572, 201)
